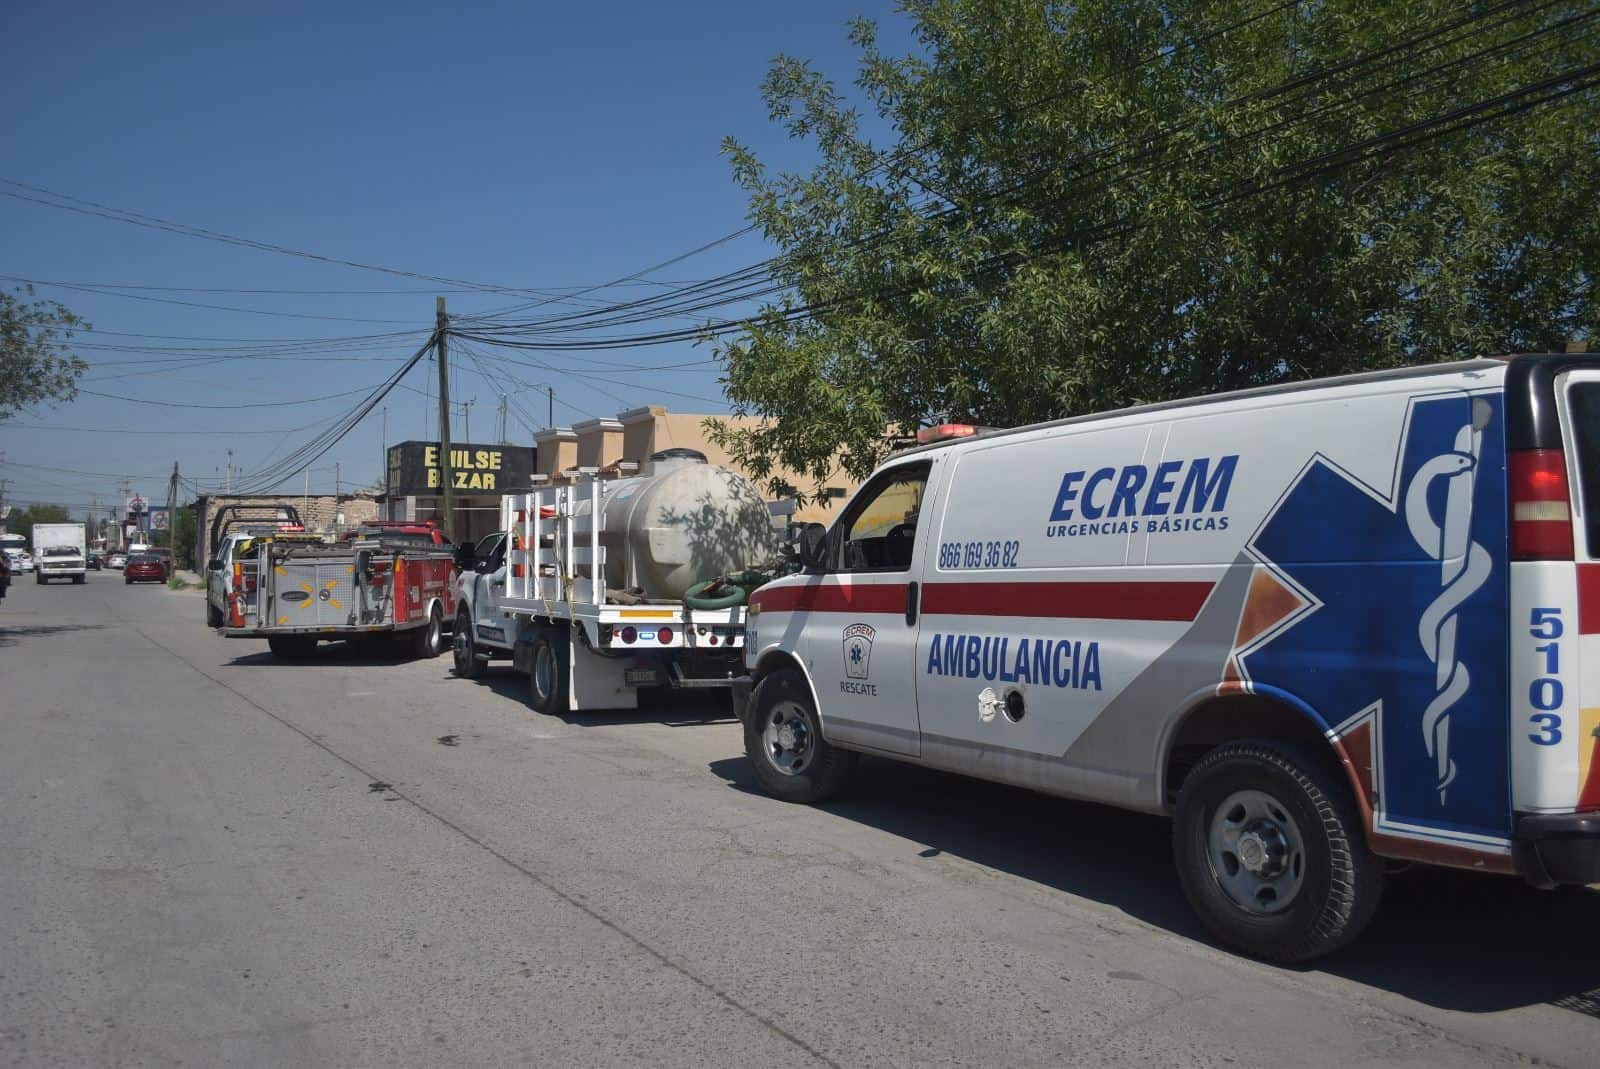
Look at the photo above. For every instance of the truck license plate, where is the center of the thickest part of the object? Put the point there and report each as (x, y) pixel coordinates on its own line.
(641, 677)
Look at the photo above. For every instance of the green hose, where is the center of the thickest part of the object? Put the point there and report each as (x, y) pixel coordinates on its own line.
(715, 594)
(725, 591)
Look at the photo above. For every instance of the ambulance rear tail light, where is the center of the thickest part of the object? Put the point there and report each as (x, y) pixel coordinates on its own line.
(1541, 513)
(945, 432)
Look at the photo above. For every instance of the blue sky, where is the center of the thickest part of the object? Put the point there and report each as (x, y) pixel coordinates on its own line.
(531, 146)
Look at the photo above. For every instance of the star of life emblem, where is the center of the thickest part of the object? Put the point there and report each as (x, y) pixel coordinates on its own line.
(858, 649)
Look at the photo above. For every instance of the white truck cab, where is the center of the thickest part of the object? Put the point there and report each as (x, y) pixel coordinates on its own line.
(1325, 626)
(60, 552)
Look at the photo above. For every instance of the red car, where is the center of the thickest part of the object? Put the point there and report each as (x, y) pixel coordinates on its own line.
(143, 568)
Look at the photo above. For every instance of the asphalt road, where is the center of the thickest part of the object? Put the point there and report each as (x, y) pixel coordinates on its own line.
(208, 857)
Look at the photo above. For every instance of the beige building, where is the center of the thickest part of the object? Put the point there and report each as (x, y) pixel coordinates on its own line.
(637, 433)
(323, 513)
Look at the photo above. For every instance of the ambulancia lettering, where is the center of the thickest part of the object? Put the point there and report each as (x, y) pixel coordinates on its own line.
(1070, 664)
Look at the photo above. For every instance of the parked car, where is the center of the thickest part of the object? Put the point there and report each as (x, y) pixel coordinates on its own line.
(117, 561)
(96, 560)
(144, 568)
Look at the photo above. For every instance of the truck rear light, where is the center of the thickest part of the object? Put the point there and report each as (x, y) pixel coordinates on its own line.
(1541, 513)
(665, 635)
(629, 635)
(401, 608)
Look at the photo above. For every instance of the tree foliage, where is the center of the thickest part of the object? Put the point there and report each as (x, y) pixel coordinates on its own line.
(1108, 202)
(35, 364)
(21, 520)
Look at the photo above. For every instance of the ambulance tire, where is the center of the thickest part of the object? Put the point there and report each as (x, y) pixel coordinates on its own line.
(464, 650)
(547, 674)
(820, 770)
(291, 647)
(427, 641)
(1295, 798)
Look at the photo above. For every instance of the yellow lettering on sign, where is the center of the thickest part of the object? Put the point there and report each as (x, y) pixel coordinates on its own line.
(430, 458)
(433, 478)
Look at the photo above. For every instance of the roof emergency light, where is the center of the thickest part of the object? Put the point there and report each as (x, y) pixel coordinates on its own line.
(945, 432)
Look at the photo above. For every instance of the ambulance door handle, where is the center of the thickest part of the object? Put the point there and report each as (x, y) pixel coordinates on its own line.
(911, 604)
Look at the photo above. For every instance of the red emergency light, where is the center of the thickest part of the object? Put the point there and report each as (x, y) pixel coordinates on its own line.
(945, 432)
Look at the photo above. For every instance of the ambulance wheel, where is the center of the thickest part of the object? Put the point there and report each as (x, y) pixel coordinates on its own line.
(427, 641)
(464, 653)
(1271, 851)
(291, 647)
(547, 675)
(783, 740)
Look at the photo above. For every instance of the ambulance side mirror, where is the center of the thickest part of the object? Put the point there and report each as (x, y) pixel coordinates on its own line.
(814, 546)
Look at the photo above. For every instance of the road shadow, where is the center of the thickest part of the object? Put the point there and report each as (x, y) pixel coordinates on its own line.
(10, 636)
(332, 655)
(1454, 940)
(687, 708)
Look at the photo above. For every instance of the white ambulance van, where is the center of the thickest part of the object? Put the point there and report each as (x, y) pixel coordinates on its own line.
(1327, 627)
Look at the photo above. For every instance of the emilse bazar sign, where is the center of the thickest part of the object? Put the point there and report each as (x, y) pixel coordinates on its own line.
(417, 468)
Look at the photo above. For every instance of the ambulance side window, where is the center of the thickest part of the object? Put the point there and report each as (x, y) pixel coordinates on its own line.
(879, 532)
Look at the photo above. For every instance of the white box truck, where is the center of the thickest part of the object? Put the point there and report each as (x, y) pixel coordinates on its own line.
(60, 552)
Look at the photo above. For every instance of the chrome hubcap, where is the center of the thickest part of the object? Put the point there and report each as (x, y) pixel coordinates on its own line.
(787, 739)
(1256, 852)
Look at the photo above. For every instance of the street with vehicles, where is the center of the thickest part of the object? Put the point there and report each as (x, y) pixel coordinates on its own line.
(232, 859)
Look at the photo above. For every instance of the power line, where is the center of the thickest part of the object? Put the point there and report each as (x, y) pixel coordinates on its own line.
(209, 405)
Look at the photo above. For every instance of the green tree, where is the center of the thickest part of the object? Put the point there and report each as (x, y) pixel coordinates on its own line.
(183, 532)
(1095, 204)
(35, 364)
(21, 520)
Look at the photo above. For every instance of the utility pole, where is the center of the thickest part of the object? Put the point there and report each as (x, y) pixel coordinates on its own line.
(447, 475)
(466, 414)
(502, 419)
(172, 514)
(335, 484)
(230, 471)
(551, 390)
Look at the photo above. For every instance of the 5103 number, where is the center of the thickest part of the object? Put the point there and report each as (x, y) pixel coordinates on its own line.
(1546, 693)
(979, 554)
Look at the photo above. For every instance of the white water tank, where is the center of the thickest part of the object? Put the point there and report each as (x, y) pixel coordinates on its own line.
(680, 522)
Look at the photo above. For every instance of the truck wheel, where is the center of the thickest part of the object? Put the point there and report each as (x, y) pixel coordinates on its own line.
(783, 740)
(79, 580)
(547, 676)
(291, 647)
(464, 654)
(38, 577)
(427, 641)
(1271, 851)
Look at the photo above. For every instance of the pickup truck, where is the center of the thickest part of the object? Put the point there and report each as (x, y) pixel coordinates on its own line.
(233, 525)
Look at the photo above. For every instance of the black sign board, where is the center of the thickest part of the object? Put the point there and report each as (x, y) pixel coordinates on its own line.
(415, 468)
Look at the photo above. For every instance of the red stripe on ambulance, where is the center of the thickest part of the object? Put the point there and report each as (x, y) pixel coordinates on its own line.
(1174, 602)
(1178, 601)
(1589, 599)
